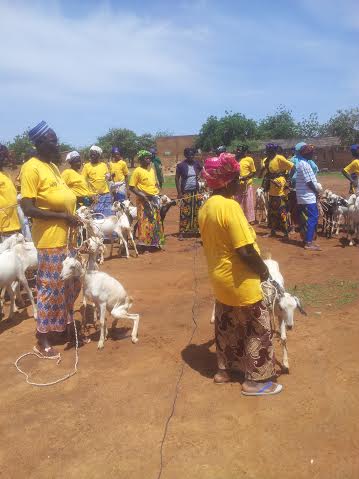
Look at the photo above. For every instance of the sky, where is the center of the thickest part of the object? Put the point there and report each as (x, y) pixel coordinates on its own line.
(88, 66)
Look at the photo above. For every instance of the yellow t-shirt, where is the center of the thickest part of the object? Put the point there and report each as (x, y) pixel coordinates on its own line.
(9, 220)
(144, 180)
(95, 175)
(247, 167)
(43, 182)
(76, 182)
(353, 167)
(279, 164)
(224, 228)
(119, 169)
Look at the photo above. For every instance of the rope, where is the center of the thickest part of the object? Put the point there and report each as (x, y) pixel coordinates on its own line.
(195, 325)
(58, 357)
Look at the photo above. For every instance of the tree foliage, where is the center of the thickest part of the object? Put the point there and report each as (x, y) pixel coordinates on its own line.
(310, 127)
(279, 125)
(345, 124)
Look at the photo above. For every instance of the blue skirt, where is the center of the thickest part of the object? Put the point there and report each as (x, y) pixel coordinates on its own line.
(104, 204)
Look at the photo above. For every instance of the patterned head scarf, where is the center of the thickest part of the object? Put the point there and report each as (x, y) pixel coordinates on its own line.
(97, 149)
(219, 171)
(115, 150)
(271, 147)
(242, 148)
(38, 131)
(143, 154)
(306, 149)
(153, 151)
(221, 149)
(72, 155)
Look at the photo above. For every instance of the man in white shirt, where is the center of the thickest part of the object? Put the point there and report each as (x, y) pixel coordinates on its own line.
(307, 196)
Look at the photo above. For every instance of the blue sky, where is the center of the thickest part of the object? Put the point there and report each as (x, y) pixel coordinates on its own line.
(87, 66)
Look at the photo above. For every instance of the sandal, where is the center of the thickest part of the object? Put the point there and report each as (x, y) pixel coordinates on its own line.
(263, 391)
(48, 352)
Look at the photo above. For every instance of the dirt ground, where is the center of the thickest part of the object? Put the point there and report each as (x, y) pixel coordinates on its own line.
(109, 419)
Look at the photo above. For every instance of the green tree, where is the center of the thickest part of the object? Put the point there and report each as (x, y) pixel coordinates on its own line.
(345, 125)
(310, 127)
(279, 125)
(20, 144)
(121, 137)
(223, 131)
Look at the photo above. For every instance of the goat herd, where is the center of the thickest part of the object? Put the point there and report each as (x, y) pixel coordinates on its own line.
(338, 214)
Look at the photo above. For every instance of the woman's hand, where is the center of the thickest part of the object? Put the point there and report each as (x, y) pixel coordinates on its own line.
(72, 220)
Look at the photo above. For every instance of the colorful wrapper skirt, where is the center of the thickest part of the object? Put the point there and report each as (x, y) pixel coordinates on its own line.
(246, 199)
(150, 229)
(278, 213)
(104, 204)
(55, 297)
(244, 340)
(189, 206)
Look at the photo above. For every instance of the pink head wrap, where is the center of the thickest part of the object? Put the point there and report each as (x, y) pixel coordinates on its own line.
(221, 170)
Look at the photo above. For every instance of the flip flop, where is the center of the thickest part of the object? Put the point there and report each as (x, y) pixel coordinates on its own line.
(46, 350)
(262, 391)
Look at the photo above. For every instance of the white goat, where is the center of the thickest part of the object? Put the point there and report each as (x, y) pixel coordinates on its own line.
(353, 219)
(282, 303)
(12, 271)
(261, 206)
(105, 292)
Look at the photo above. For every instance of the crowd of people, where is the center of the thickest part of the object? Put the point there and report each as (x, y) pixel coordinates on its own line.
(224, 222)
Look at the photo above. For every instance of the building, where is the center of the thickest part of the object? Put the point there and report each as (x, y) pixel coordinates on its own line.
(170, 150)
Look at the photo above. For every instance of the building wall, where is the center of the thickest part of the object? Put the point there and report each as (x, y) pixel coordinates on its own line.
(170, 150)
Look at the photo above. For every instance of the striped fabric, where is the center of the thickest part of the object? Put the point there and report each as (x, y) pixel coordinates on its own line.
(38, 131)
(305, 174)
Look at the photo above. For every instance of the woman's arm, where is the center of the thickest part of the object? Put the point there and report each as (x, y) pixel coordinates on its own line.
(140, 194)
(252, 259)
(32, 211)
(178, 184)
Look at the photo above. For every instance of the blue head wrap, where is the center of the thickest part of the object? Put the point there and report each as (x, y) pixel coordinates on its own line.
(38, 131)
(354, 148)
(299, 146)
(271, 146)
(115, 150)
(153, 151)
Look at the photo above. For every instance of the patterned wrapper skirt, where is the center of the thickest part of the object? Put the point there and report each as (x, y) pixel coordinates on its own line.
(55, 298)
(103, 204)
(150, 229)
(244, 340)
(189, 206)
(246, 199)
(278, 213)
(293, 207)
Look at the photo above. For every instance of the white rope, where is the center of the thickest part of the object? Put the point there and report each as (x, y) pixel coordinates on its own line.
(58, 357)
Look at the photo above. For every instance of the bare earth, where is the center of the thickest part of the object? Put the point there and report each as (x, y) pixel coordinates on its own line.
(109, 419)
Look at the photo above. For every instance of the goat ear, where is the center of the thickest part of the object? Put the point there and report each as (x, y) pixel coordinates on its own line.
(299, 306)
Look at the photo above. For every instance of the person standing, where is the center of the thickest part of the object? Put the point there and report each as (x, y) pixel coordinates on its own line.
(119, 175)
(307, 197)
(247, 170)
(351, 171)
(143, 184)
(187, 173)
(97, 174)
(157, 164)
(9, 219)
(75, 181)
(51, 205)
(242, 324)
(276, 169)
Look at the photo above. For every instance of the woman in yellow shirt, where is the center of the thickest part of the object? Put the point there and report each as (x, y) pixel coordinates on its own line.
(276, 169)
(9, 220)
(96, 174)
(245, 195)
(119, 175)
(51, 205)
(242, 324)
(143, 185)
(351, 171)
(75, 181)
